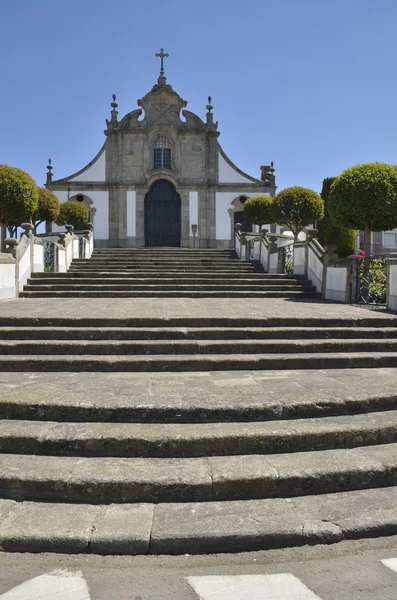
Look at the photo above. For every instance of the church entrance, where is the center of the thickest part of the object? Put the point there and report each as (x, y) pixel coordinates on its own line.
(239, 218)
(162, 215)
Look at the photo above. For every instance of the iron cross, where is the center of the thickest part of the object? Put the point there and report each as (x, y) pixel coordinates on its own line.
(162, 56)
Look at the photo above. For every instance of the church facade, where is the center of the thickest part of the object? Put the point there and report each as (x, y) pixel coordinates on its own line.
(162, 179)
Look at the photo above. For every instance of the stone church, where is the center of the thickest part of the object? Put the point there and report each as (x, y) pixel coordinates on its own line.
(161, 178)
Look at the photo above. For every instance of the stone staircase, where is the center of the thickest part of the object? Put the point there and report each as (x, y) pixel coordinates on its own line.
(86, 466)
(246, 432)
(166, 272)
(195, 344)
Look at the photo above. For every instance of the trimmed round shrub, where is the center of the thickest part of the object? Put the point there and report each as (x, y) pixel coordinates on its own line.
(343, 237)
(18, 196)
(257, 210)
(73, 213)
(48, 207)
(364, 197)
(296, 208)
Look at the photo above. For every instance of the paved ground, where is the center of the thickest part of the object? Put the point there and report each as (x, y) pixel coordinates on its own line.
(346, 571)
(182, 307)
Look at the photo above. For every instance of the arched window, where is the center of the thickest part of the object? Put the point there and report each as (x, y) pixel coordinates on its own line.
(162, 153)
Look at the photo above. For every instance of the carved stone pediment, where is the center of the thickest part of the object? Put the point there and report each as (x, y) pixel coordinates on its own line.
(162, 106)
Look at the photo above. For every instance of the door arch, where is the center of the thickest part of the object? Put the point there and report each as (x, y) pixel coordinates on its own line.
(162, 215)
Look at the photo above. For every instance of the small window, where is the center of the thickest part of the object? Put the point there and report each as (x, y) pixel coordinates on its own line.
(162, 153)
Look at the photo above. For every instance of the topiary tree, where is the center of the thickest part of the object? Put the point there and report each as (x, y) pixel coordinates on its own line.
(297, 207)
(48, 208)
(365, 197)
(257, 210)
(18, 197)
(343, 237)
(73, 213)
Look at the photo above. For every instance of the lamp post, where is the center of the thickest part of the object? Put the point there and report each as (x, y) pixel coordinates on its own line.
(194, 232)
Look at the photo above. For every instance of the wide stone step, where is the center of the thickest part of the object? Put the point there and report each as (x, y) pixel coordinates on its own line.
(138, 348)
(194, 397)
(244, 286)
(232, 268)
(196, 440)
(197, 527)
(373, 320)
(209, 362)
(163, 275)
(194, 333)
(168, 294)
(107, 480)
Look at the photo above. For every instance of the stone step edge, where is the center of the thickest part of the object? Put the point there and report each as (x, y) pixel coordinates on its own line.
(214, 321)
(196, 528)
(107, 480)
(194, 347)
(197, 439)
(194, 333)
(77, 408)
(196, 362)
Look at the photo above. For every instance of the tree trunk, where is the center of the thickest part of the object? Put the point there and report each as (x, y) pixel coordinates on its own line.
(367, 264)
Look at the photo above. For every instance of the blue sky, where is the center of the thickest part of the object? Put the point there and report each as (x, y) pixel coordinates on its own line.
(309, 84)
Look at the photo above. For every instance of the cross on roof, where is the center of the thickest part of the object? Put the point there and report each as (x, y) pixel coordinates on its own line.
(162, 56)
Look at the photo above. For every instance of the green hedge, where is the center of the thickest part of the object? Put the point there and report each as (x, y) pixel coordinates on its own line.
(328, 233)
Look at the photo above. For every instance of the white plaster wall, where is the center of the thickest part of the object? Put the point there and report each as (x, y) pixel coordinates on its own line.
(223, 201)
(24, 268)
(315, 270)
(38, 258)
(229, 175)
(193, 211)
(75, 247)
(61, 260)
(97, 171)
(100, 201)
(7, 280)
(299, 260)
(131, 213)
(336, 278)
(393, 280)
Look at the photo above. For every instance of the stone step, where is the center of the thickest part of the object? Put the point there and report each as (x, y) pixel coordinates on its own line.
(194, 362)
(155, 276)
(197, 528)
(373, 320)
(196, 440)
(232, 267)
(168, 348)
(107, 480)
(195, 333)
(195, 397)
(168, 294)
(243, 286)
(163, 259)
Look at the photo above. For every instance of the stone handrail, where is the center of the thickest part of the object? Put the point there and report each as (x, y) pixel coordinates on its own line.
(27, 255)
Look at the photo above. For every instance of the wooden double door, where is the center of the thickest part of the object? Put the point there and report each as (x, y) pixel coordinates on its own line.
(162, 215)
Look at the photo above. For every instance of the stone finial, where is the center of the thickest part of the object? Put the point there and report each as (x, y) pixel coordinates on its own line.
(113, 123)
(211, 126)
(49, 172)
